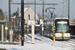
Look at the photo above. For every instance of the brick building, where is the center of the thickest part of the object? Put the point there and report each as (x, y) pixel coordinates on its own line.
(16, 17)
(13, 21)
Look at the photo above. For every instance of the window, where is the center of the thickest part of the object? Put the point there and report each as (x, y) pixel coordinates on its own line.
(12, 20)
(19, 23)
(29, 17)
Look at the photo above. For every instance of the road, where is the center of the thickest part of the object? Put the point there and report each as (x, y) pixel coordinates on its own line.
(41, 43)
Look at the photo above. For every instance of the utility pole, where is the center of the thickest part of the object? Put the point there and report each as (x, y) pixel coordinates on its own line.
(2, 38)
(28, 16)
(69, 10)
(9, 11)
(43, 18)
(35, 9)
(6, 25)
(35, 14)
(28, 8)
(22, 22)
(6, 32)
(43, 10)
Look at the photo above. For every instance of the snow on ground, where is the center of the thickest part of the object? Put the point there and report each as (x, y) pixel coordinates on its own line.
(43, 44)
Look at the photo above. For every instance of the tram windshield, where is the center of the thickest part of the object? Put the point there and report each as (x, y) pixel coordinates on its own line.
(62, 27)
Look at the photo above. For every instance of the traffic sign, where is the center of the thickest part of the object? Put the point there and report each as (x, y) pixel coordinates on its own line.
(31, 22)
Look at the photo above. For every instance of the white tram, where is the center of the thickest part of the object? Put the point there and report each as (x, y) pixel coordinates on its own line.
(61, 29)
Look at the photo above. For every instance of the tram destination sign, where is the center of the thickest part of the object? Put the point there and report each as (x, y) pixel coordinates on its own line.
(62, 22)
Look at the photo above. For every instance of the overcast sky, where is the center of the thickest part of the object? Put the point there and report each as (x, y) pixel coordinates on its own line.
(58, 8)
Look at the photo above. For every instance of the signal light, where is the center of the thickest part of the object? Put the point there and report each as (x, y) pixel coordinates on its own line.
(45, 10)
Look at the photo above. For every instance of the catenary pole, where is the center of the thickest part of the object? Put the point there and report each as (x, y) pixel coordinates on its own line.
(22, 22)
(35, 12)
(9, 11)
(69, 10)
(43, 18)
(43, 10)
(35, 9)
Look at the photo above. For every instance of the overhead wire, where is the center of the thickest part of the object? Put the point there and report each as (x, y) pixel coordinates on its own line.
(64, 4)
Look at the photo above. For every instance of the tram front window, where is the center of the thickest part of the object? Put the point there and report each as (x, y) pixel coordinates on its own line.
(61, 28)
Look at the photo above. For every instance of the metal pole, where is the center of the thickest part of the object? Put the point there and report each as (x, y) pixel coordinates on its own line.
(11, 35)
(6, 32)
(6, 26)
(69, 10)
(2, 33)
(28, 16)
(33, 34)
(22, 22)
(43, 16)
(54, 31)
(11, 38)
(9, 10)
(35, 12)
(43, 10)
(35, 9)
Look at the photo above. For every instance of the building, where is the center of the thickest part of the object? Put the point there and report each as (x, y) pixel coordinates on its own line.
(28, 15)
(13, 21)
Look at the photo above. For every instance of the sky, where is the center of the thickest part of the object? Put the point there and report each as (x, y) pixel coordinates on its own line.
(58, 8)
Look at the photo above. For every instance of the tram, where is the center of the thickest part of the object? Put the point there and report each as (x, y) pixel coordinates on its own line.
(61, 29)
